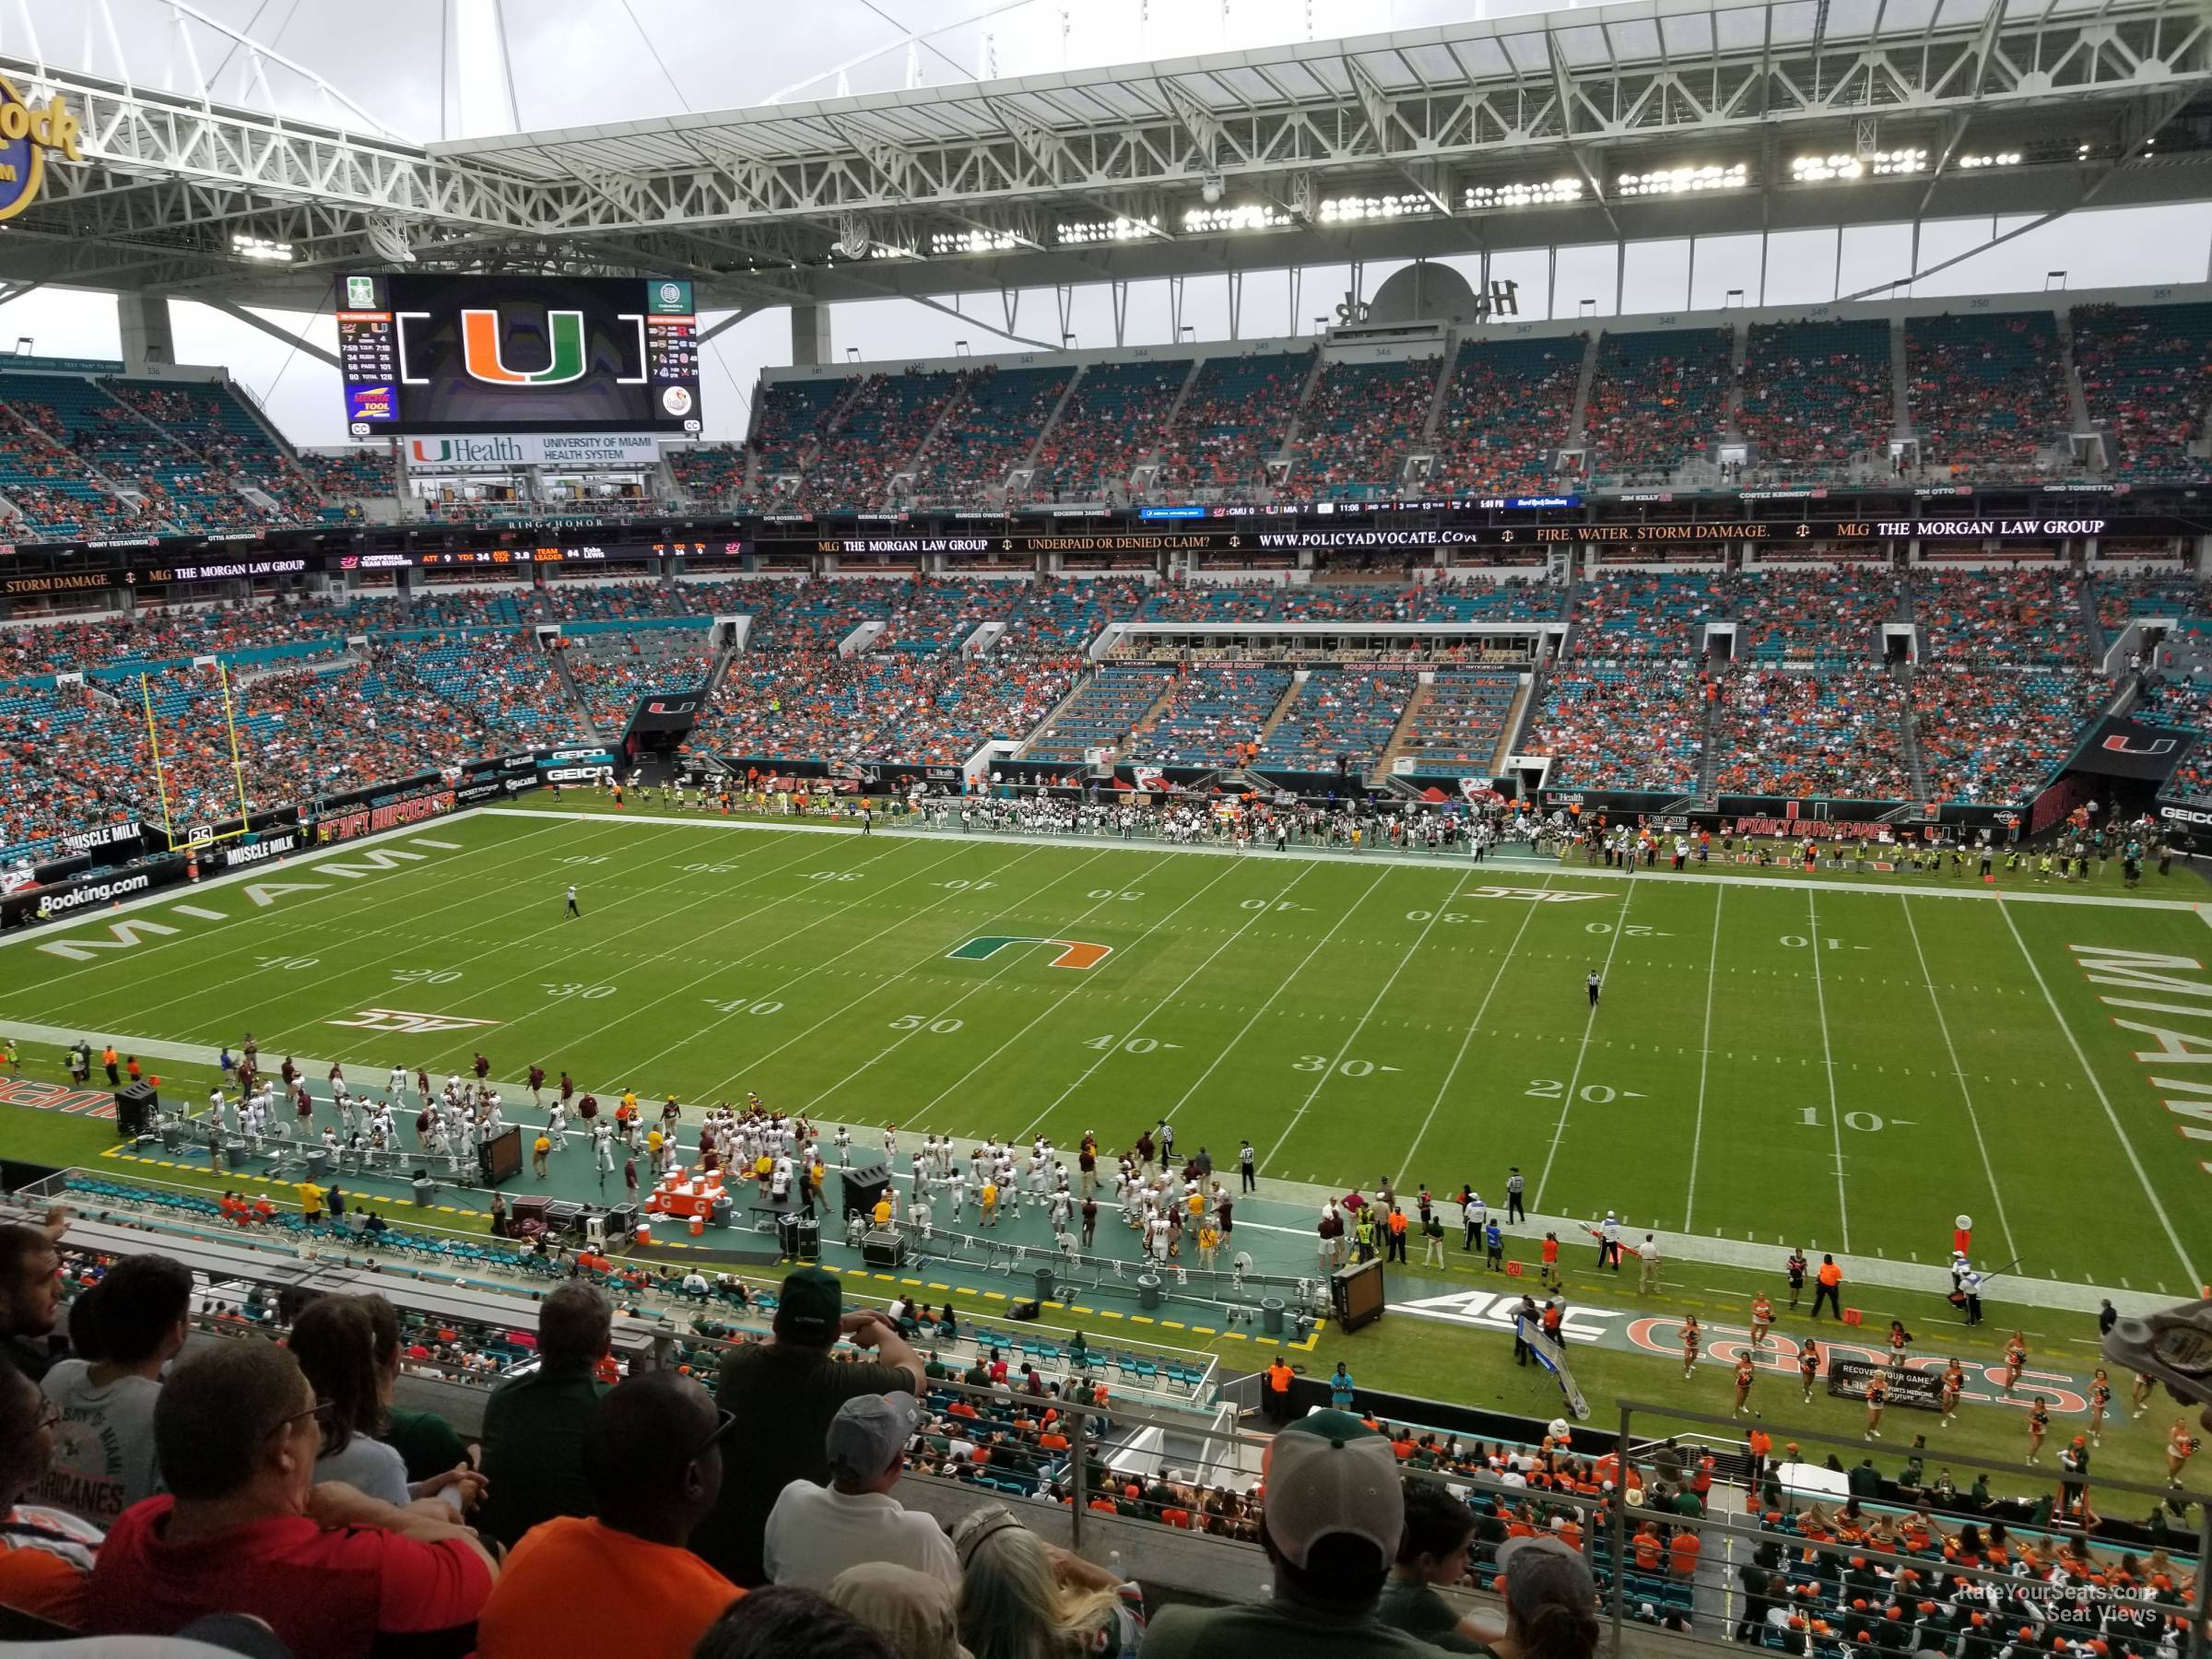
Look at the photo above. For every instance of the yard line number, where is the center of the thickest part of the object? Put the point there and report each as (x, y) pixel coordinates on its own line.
(1342, 1068)
(1864, 1122)
(739, 1005)
(923, 1022)
(1594, 1094)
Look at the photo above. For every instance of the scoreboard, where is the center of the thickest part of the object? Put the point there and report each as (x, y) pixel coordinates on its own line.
(428, 355)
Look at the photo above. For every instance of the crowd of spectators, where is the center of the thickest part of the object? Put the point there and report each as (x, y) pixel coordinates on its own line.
(2122, 599)
(1110, 705)
(2184, 705)
(1662, 614)
(1231, 422)
(1984, 618)
(1505, 412)
(2147, 374)
(709, 475)
(1114, 418)
(615, 670)
(1457, 728)
(1793, 616)
(993, 424)
(1987, 390)
(1354, 430)
(1212, 716)
(1657, 399)
(1816, 393)
(1341, 716)
(354, 474)
(1830, 734)
(878, 433)
(1621, 728)
(1995, 737)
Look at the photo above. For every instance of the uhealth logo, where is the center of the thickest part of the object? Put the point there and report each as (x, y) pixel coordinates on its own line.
(1073, 953)
(482, 350)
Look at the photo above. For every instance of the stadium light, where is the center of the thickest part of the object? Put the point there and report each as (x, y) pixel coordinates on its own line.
(1202, 222)
(2001, 158)
(1080, 233)
(1536, 194)
(973, 241)
(1685, 180)
(262, 249)
(1879, 164)
(1346, 211)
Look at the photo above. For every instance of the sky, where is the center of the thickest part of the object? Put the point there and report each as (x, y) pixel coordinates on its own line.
(435, 68)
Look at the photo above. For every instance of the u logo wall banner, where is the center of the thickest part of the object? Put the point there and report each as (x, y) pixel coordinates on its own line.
(1073, 953)
(26, 133)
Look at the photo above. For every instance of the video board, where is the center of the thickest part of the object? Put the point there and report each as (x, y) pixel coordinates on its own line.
(428, 355)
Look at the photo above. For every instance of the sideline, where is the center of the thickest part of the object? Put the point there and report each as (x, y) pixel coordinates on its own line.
(1504, 866)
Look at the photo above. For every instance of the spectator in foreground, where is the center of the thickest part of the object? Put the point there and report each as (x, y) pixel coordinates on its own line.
(1550, 1601)
(1433, 1551)
(30, 1298)
(1022, 1598)
(536, 1425)
(815, 1533)
(1334, 1514)
(245, 1527)
(334, 1341)
(124, 1330)
(796, 1383)
(425, 1443)
(46, 1555)
(622, 1580)
(913, 1612)
(784, 1621)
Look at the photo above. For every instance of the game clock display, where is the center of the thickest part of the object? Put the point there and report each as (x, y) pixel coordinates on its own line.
(431, 355)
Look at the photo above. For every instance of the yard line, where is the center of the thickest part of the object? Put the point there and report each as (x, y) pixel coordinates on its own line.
(207, 894)
(1253, 1018)
(1055, 1006)
(719, 969)
(1473, 1025)
(1835, 1114)
(1965, 1093)
(1084, 1077)
(509, 946)
(2112, 1117)
(1589, 1026)
(984, 983)
(1346, 1046)
(1697, 1133)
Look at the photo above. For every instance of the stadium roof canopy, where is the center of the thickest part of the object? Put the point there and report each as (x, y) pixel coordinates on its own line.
(1647, 120)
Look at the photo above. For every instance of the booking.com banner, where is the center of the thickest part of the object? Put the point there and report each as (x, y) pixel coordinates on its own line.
(498, 450)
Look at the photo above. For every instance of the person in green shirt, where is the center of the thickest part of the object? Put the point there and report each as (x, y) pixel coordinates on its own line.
(1336, 1513)
(534, 1425)
(1434, 1551)
(425, 1443)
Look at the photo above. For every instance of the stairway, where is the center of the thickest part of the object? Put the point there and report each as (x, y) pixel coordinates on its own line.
(1910, 735)
(575, 695)
(1298, 682)
(2078, 402)
(1516, 720)
(1159, 704)
(1401, 735)
(1167, 421)
(1305, 396)
(1901, 383)
(127, 495)
(1582, 390)
(1053, 419)
(1449, 362)
(1708, 761)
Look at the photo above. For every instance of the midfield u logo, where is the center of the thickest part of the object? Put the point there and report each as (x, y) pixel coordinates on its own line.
(483, 354)
(1073, 953)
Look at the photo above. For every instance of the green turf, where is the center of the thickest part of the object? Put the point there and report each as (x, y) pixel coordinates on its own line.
(1769, 1063)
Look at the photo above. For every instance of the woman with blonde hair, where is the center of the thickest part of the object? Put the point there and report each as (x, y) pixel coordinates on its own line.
(1022, 1598)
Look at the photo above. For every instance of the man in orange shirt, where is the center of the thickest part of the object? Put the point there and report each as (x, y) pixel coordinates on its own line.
(621, 1580)
(1278, 1389)
(1827, 1287)
(1551, 1261)
(1397, 1225)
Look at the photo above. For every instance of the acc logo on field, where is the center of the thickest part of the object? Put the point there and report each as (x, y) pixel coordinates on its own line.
(403, 1023)
(1073, 953)
(26, 135)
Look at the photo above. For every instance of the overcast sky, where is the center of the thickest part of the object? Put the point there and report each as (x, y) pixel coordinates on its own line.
(433, 68)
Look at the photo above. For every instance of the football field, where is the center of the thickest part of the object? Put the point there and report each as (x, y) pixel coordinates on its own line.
(1841, 1063)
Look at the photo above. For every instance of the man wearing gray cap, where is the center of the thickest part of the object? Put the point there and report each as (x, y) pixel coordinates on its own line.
(815, 1533)
(1334, 1513)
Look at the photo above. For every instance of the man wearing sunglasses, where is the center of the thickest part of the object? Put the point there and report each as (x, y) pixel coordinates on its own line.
(244, 1529)
(622, 1580)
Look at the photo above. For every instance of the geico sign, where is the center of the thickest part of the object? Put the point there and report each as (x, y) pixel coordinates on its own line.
(573, 774)
(591, 754)
(2185, 815)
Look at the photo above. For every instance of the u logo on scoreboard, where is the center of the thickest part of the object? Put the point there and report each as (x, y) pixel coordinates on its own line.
(482, 354)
